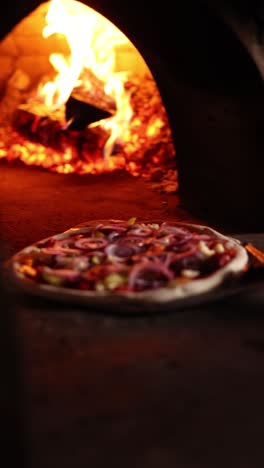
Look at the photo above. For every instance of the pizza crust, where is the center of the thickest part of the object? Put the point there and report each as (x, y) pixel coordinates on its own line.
(191, 292)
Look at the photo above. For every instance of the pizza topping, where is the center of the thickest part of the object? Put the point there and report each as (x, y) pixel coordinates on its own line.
(91, 243)
(111, 282)
(190, 273)
(180, 232)
(59, 277)
(63, 244)
(219, 248)
(96, 258)
(131, 221)
(149, 275)
(143, 231)
(79, 263)
(57, 250)
(127, 256)
(119, 251)
(183, 249)
(188, 262)
(108, 229)
(205, 249)
(138, 245)
(28, 271)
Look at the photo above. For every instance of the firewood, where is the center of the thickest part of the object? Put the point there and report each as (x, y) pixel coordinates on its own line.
(91, 90)
(50, 131)
(144, 147)
(79, 114)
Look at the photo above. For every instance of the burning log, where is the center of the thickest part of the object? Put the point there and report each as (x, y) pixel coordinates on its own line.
(91, 90)
(88, 103)
(80, 148)
(37, 136)
(79, 114)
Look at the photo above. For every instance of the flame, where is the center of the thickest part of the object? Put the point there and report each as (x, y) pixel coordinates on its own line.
(92, 41)
(136, 138)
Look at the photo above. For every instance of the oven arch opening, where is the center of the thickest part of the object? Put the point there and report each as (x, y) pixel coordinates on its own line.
(213, 97)
(65, 62)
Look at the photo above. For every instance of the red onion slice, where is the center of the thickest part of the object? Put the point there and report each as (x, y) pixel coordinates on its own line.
(67, 243)
(204, 237)
(141, 231)
(138, 244)
(162, 257)
(176, 230)
(57, 250)
(165, 240)
(91, 243)
(187, 250)
(108, 228)
(119, 251)
(149, 275)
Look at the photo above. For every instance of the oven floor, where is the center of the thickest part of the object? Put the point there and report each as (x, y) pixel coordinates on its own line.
(36, 203)
(183, 389)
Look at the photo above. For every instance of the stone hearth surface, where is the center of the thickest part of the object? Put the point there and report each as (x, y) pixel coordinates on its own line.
(161, 390)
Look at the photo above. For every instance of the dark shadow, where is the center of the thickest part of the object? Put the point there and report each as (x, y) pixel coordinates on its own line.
(14, 427)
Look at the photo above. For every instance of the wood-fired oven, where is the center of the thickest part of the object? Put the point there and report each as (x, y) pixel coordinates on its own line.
(93, 384)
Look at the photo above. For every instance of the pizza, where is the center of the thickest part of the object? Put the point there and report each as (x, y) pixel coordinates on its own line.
(130, 261)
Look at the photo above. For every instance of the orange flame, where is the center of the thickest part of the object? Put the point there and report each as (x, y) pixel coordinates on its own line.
(81, 25)
(137, 136)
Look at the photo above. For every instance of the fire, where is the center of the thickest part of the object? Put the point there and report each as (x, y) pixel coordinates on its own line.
(135, 137)
(82, 25)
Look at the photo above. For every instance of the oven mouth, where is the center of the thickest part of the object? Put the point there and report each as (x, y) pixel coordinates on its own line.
(194, 124)
(81, 103)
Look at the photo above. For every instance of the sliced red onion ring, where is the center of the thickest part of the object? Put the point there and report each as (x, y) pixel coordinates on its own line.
(176, 230)
(149, 275)
(186, 262)
(165, 240)
(46, 243)
(190, 252)
(187, 250)
(141, 231)
(91, 243)
(65, 243)
(114, 235)
(204, 237)
(107, 228)
(57, 250)
(164, 258)
(119, 251)
(138, 244)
